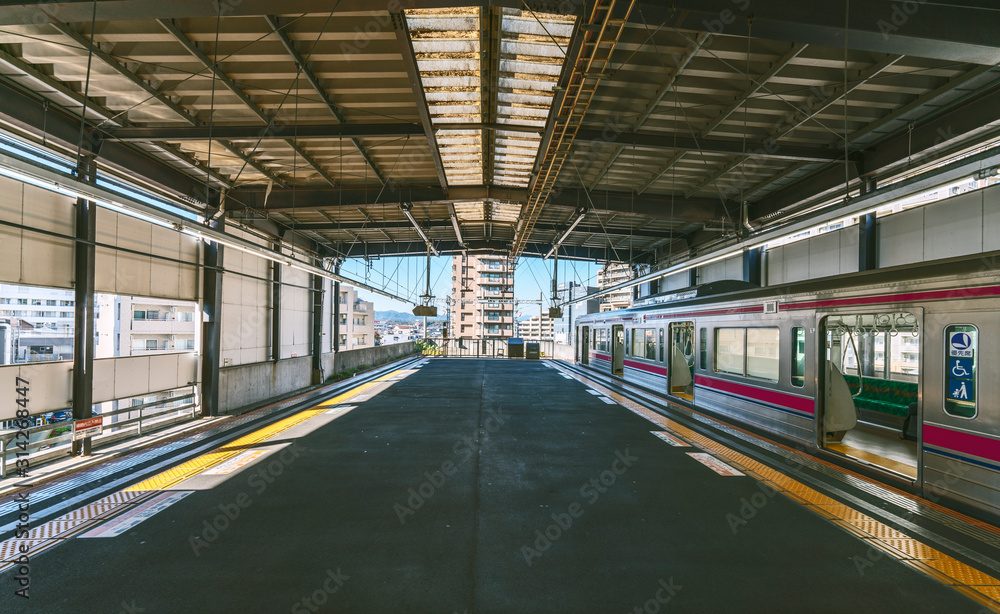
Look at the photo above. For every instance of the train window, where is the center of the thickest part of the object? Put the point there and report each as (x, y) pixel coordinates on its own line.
(762, 353)
(638, 339)
(881, 346)
(704, 348)
(798, 357)
(650, 334)
(730, 350)
(661, 345)
(961, 360)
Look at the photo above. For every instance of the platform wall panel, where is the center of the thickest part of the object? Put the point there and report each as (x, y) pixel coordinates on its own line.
(296, 312)
(50, 387)
(139, 274)
(32, 258)
(246, 301)
(731, 268)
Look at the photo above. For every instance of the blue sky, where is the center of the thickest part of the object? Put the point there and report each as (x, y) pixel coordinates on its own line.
(406, 277)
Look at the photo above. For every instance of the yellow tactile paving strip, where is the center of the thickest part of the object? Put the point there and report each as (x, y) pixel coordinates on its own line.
(77, 521)
(193, 467)
(973, 583)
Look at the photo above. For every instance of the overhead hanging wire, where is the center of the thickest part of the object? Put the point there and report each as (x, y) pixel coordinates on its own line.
(847, 164)
(86, 86)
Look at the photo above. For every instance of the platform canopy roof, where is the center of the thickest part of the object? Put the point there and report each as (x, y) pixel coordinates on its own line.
(598, 129)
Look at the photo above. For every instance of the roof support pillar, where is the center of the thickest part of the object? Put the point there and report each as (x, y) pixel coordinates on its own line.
(83, 331)
(317, 330)
(752, 259)
(211, 328)
(276, 307)
(336, 310)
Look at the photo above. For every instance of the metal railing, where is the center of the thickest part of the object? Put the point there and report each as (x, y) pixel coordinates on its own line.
(488, 347)
(46, 441)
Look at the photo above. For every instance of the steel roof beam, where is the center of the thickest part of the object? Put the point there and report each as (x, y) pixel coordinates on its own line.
(755, 87)
(800, 118)
(155, 94)
(482, 246)
(659, 207)
(416, 85)
(965, 33)
(318, 87)
(97, 112)
(670, 142)
(681, 65)
(302, 131)
(594, 229)
(969, 122)
(194, 50)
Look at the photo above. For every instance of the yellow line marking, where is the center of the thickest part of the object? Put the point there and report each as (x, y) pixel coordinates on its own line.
(971, 582)
(193, 467)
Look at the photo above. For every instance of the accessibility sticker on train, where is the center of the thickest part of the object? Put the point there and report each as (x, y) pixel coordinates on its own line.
(667, 437)
(714, 464)
(236, 462)
(121, 524)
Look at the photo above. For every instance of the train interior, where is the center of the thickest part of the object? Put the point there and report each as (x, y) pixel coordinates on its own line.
(681, 374)
(871, 388)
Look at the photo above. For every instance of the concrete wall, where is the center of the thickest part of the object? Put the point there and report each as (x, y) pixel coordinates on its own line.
(352, 359)
(563, 351)
(245, 385)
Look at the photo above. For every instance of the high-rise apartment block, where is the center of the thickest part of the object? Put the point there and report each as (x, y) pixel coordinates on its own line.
(482, 293)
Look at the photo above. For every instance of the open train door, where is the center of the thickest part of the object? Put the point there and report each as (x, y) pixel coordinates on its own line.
(869, 388)
(680, 375)
(618, 350)
(584, 343)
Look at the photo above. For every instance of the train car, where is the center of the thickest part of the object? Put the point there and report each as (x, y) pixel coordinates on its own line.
(892, 370)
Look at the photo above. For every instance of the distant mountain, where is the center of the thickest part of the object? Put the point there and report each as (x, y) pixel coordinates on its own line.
(401, 317)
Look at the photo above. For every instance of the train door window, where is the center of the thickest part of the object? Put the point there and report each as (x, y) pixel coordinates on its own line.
(638, 339)
(661, 345)
(798, 357)
(961, 360)
(703, 339)
(650, 343)
(730, 348)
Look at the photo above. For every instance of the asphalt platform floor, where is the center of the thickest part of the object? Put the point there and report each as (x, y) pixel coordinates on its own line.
(476, 486)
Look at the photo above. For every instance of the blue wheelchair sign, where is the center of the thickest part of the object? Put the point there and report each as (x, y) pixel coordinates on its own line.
(960, 368)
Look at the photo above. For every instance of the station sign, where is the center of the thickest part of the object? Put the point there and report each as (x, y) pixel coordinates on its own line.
(88, 427)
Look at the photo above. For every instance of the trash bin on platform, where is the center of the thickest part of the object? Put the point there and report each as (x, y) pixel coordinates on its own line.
(515, 347)
(531, 351)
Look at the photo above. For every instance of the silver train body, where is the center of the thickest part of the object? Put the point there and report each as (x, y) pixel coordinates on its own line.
(942, 318)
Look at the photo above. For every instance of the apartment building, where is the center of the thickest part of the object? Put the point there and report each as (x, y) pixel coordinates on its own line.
(37, 324)
(612, 274)
(563, 328)
(482, 297)
(530, 329)
(357, 321)
(134, 326)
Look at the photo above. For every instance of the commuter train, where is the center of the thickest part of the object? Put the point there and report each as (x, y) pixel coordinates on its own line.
(894, 370)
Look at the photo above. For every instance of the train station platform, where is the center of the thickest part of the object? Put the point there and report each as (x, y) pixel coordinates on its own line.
(479, 485)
